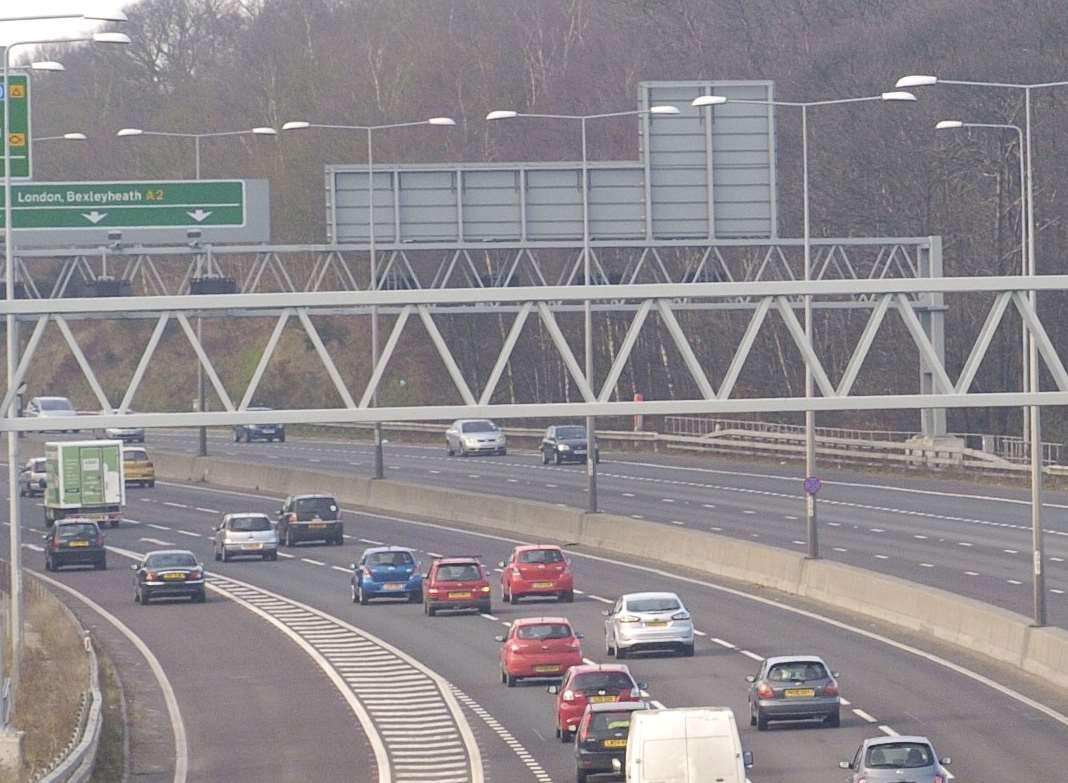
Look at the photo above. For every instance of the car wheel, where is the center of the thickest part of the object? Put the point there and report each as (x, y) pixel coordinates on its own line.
(463, 451)
(282, 438)
(448, 449)
(362, 596)
(687, 650)
(290, 541)
(834, 720)
(415, 597)
(114, 523)
(430, 610)
(621, 652)
(512, 598)
(544, 457)
(152, 483)
(217, 555)
(503, 452)
(568, 596)
(144, 598)
(509, 680)
(752, 716)
(581, 776)
(225, 555)
(609, 650)
(237, 436)
(556, 457)
(49, 565)
(101, 565)
(485, 607)
(355, 595)
(199, 598)
(137, 595)
(761, 721)
(565, 735)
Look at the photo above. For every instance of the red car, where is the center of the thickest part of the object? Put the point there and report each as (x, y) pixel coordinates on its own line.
(537, 570)
(456, 583)
(538, 647)
(591, 684)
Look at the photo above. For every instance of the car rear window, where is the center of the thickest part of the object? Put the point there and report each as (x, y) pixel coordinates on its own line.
(135, 455)
(541, 556)
(325, 508)
(250, 524)
(171, 560)
(591, 682)
(56, 404)
(77, 530)
(544, 631)
(802, 670)
(458, 573)
(609, 721)
(478, 426)
(390, 558)
(653, 604)
(899, 755)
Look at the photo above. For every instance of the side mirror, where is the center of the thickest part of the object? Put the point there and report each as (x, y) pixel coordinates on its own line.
(500, 564)
(643, 694)
(750, 678)
(46, 536)
(580, 636)
(281, 511)
(845, 765)
(617, 768)
(499, 638)
(352, 566)
(836, 675)
(133, 567)
(947, 761)
(606, 613)
(747, 758)
(553, 689)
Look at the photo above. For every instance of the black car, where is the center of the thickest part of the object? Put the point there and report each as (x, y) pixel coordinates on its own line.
(602, 736)
(565, 443)
(251, 432)
(75, 541)
(167, 573)
(310, 518)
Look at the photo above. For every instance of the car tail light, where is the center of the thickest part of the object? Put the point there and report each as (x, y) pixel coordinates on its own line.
(939, 779)
(433, 590)
(55, 543)
(584, 727)
(151, 576)
(367, 572)
(196, 573)
(516, 648)
(569, 695)
(575, 644)
(830, 690)
(764, 691)
(100, 539)
(681, 616)
(485, 588)
(629, 618)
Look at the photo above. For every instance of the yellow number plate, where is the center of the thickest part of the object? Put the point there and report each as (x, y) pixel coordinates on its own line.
(393, 586)
(317, 526)
(799, 693)
(459, 595)
(78, 543)
(252, 546)
(601, 699)
(542, 585)
(547, 668)
(173, 577)
(615, 743)
(656, 624)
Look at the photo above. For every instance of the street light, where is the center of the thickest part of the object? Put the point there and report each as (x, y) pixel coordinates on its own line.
(15, 553)
(92, 16)
(292, 125)
(507, 114)
(122, 133)
(810, 416)
(1033, 416)
(65, 136)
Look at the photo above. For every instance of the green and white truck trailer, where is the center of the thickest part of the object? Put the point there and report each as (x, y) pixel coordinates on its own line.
(84, 479)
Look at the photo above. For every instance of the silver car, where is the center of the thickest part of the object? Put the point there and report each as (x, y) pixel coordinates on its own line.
(50, 408)
(32, 478)
(898, 759)
(125, 434)
(647, 621)
(793, 687)
(475, 436)
(241, 535)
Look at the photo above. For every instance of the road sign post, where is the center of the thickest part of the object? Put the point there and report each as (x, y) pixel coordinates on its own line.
(17, 106)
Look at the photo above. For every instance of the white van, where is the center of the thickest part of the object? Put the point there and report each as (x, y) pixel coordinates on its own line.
(686, 745)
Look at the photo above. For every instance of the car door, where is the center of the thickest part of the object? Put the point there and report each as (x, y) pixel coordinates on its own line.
(610, 623)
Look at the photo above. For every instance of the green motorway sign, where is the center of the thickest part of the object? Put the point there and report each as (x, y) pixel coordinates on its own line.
(18, 106)
(173, 204)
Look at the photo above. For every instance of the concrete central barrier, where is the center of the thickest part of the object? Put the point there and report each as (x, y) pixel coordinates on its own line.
(972, 625)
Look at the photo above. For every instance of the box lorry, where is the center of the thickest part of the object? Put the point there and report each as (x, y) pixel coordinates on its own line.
(685, 745)
(84, 479)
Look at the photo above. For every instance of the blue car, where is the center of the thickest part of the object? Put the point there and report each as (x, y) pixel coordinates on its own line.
(387, 572)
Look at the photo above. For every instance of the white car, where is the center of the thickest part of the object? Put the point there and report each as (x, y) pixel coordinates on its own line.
(50, 408)
(32, 478)
(475, 436)
(648, 621)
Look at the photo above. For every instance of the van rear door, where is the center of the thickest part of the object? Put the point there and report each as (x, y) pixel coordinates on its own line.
(690, 760)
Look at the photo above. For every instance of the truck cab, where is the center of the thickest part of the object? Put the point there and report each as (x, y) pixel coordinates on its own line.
(690, 745)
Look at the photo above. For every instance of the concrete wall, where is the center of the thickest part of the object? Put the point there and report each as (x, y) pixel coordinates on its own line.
(973, 625)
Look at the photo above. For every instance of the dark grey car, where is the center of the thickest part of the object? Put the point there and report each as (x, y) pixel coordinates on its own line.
(793, 687)
(898, 759)
(251, 432)
(565, 443)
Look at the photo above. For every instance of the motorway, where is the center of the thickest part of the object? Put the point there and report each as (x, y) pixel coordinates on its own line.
(257, 703)
(966, 538)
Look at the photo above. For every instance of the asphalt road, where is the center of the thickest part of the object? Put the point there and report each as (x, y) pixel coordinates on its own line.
(990, 735)
(973, 539)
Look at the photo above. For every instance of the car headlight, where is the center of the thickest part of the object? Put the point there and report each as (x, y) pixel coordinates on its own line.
(564, 447)
(500, 438)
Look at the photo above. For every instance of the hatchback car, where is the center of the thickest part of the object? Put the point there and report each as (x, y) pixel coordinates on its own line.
(310, 518)
(793, 687)
(648, 621)
(537, 570)
(897, 759)
(137, 468)
(565, 443)
(538, 647)
(599, 683)
(125, 434)
(602, 737)
(251, 432)
(475, 436)
(244, 535)
(33, 478)
(456, 583)
(169, 573)
(75, 541)
(387, 572)
(50, 408)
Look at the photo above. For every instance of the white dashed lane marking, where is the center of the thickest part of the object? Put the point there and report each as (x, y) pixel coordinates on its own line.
(888, 731)
(864, 716)
(752, 655)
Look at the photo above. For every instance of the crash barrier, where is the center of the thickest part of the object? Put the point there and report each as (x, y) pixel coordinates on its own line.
(75, 762)
(976, 626)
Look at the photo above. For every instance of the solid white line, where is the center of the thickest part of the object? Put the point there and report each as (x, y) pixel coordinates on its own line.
(888, 731)
(181, 746)
(589, 661)
(844, 702)
(1014, 581)
(34, 547)
(927, 565)
(864, 716)
(157, 542)
(435, 554)
(752, 655)
(678, 523)
(972, 573)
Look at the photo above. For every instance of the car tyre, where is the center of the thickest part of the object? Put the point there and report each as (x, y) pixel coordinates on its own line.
(290, 541)
(415, 597)
(485, 607)
(621, 652)
(556, 458)
(430, 610)
(225, 555)
(144, 598)
(463, 451)
(199, 598)
(544, 457)
(448, 449)
(581, 776)
(761, 721)
(609, 650)
(237, 436)
(503, 452)
(510, 680)
(355, 595)
(282, 438)
(361, 595)
(565, 735)
(511, 598)
(152, 483)
(568, 596)
(834, 720)
(101, 565)
(687, 650)
(49, 565)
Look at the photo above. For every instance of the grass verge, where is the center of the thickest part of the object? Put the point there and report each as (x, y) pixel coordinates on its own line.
(111, 753)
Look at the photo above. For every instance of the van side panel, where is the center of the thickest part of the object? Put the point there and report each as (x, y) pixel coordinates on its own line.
(664, 759)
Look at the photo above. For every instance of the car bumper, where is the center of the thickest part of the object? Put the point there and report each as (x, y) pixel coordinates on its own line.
(315, 531)
(263, 434)
(655, 637)
(237, 550)
(598, 760)
(542, 586)
(154, 589)
(538, 665)
(483, 448)
(378, 589)
(77, 556)
(137, 478)
(571, 455)
(126, 435)
(796, 709)
(476, 602)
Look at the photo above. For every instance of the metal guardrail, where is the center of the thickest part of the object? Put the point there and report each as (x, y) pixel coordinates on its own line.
(5, 702)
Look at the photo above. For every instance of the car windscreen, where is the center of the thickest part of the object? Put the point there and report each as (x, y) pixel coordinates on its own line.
(899, 755)
(665, 604)
(171, 560)
(250, 524)
(390, 559)
(541, 556)
(800, 670)
(591, 682)
(544, 631)
(478, 426)
(56, 404)
(458, 573)
(609, 721)
(76, 530)
(571, 433)
(308, 508)
(135, 455)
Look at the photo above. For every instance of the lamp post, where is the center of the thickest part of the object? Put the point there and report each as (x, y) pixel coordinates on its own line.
(1034, 414)
(15, 554)
(63, 137)
(811, 528)
(591, 434)
(379, 468)
(202, 387)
